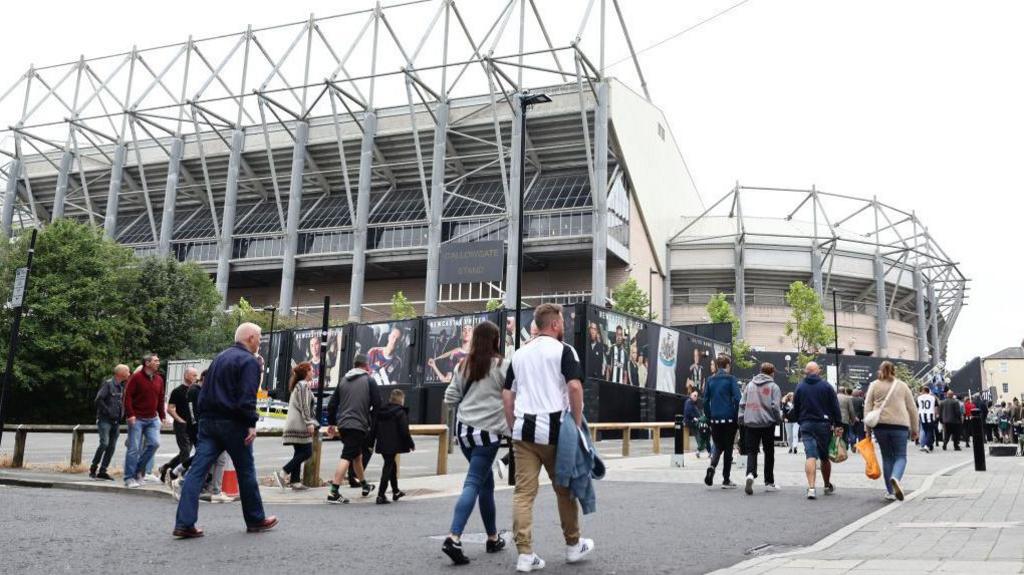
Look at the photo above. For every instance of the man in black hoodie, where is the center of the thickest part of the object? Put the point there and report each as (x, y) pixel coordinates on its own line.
(109, 413)
(355, 400)
(816, 408)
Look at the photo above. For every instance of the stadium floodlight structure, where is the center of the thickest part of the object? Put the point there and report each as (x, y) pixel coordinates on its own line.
(351, 141)
(882, 260)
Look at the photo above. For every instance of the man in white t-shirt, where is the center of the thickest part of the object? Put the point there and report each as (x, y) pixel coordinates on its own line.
(543, 381)
(927, 410)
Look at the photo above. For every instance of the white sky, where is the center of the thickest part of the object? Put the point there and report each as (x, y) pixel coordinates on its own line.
(917, 102)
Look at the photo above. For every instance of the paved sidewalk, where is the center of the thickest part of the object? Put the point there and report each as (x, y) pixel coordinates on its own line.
(966, 521)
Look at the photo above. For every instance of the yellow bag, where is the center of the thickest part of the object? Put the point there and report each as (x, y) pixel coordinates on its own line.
(866, 449)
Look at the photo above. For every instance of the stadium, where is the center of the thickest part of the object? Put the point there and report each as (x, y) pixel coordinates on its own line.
(896, 291)
(334, 156)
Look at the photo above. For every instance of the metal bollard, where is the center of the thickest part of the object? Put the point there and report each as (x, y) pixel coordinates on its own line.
(977, 435)
(680, 435)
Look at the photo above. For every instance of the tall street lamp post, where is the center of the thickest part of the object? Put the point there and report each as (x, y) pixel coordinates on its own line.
(526, 100)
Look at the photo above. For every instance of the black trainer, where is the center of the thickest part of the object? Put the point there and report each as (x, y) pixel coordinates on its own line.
(728, 484)
(397, 495)
(336, 497)
(453, 550)
(368, 488)
(709, 477)
(381, 500)
(104, 476)
(495, 545)
(92, 472)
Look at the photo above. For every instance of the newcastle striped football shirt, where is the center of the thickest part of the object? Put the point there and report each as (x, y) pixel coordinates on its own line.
(539, 376)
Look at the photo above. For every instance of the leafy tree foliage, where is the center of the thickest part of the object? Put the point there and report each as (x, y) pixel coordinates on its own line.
(719, 311)
(401, 308)
(494, 304)
(807, 327)
(629, 298)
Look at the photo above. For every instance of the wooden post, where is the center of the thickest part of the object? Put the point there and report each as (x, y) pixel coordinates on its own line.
(625, 441)
(398, 465)
(442, 453)
(686, 439)
(657, 439)
(19, 447)
(593, 434)
(77, 440)
(311, 469)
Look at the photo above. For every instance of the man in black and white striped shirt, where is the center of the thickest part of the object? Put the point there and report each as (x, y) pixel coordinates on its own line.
(927, 408)
(543, 381)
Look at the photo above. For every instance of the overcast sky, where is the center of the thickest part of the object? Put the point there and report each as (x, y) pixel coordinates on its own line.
(917, 102)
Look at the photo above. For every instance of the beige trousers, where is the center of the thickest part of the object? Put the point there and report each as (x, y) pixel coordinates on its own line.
(530, 457)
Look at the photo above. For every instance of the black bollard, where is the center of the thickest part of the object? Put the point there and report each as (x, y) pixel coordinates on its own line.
(977, 435)
(679, 432)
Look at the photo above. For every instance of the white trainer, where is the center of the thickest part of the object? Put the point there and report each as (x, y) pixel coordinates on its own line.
(150, 478)
(132, 484)
(811, 494)
(527, 563)
(281, 479)
(577, 552)
(221, 498)
(772, 487)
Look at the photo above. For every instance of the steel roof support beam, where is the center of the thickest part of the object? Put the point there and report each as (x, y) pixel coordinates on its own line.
(114, 191)
(512, 208)
(10, 196)
(882, 314)
(291, 233)
(227, 227)
(171, 197)
(598, 270)
(355, 307)
(921, 321)
(435, 212)
(933, 318)
(61, 192)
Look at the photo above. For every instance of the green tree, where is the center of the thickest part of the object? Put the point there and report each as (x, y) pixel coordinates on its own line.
(632, 300)
(220, 332)
(807, 327)
(494, 304)
(401, 308)
(77, 324)
(719, 311)
(904, 374)
(176, 301)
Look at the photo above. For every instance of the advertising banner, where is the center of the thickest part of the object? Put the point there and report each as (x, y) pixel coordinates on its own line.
(389, 350)
(529, 330)
(447, 343)
(616, 348)
(306, 347)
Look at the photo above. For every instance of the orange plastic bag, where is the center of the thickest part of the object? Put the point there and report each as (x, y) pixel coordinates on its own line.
(866, 449)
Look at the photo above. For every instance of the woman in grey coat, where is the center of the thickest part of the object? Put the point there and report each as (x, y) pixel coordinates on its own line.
(299, 427)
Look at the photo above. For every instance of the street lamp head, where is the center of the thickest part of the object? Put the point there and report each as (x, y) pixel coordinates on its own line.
(529, 99)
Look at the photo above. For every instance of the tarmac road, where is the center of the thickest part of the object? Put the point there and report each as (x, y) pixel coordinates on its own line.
(638, 528)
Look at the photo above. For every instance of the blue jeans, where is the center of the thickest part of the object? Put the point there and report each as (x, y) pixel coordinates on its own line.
(893, 445)
(816, 436)
(108, 432)
(479, 484)
(215, 436)
(928, 433)
(137, 456)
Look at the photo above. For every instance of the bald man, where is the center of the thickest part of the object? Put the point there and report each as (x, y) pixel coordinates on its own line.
(178, 409)
(109, 413)
(228, 406)
(816, 409)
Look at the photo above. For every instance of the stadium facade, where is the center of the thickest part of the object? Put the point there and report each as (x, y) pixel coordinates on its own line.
(898, 292)
(335, 156)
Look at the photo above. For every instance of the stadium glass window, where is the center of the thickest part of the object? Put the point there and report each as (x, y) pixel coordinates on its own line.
(1006, 388)
(198, 224)
(330, 212)
(559, 192)
(257, 218)
(397, 206)
(475, 199)
(135, 231)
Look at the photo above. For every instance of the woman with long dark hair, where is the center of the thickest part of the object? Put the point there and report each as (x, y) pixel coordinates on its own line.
(299, 427)
(480, 424)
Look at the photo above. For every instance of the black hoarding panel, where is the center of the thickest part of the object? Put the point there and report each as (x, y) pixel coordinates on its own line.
(390, 350)
(274, 350)
(305, 347)
(616, 348)
(529, 330)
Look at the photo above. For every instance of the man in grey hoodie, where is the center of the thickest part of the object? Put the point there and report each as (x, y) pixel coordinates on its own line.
(760, 412)
(354, 401)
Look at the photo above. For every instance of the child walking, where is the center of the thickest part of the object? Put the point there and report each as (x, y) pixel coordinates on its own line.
(393, 438)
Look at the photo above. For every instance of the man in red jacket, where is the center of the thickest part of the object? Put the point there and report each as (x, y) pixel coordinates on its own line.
(144, 413)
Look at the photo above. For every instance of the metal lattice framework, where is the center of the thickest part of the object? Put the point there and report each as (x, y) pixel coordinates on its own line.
(392, 127)
(831, 224)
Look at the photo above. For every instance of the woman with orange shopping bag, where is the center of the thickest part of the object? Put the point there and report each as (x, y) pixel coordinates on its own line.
(890, 411)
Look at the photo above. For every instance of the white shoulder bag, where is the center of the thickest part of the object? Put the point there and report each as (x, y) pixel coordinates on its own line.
(872, 417)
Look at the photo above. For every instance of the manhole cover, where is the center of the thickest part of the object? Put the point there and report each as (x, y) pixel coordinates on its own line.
(770, 549)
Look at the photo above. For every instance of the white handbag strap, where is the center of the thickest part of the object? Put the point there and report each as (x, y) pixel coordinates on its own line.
(892, 388)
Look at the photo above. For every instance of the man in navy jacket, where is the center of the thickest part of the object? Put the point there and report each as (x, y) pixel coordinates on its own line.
(721, 406)
(816, 409)
(228, 404)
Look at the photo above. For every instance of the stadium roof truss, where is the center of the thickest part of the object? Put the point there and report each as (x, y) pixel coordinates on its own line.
(332, 123)
(835, 223)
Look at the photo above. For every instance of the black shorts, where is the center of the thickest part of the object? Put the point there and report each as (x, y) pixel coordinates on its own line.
(352, 441)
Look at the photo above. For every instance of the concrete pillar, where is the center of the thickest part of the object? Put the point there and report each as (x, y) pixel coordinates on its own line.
(816, 277)
(291, 231)
(436, 210)
(62, 186)
(355, 302)
(666, 298)
(882, 313)
(171, 198)
(740, 299)
(598, 267)
(512, 213)
(227, 225)
(114, 192)
(922, 322)
(10, 196)
(933, 307)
